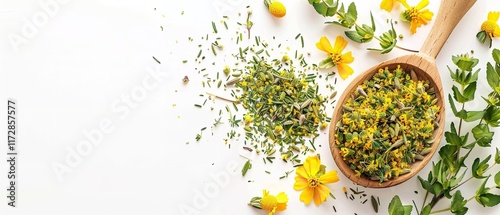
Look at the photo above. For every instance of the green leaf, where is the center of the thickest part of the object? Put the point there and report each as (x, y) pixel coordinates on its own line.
(453, 139)
(481, 36)
(489, 199)
(448, 155)
(407, 209)
(496, 55)
(458, 96)
(426, 210)
(479, 167)
(354, 36)
(482, 189)
(425, 184)
(352, 14)
(373, 22)
(471, 116)
(492, 77)
(457, 204)
(326, 63)
(492, 116)
(497, 157)
(327, 8)
(437, 187)
(483, 135)
(246, 167)
(497, 179)
(396, 207)
(465, 62)
(452, 105)
(365, 33)
(470, 91)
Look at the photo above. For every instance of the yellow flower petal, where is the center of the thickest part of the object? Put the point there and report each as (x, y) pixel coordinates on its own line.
(301, 171)
(324, 45)
(320, 194)
(387, 5)
(422, 4)
(307, 195)
(329, 177)
(347, 58)
(282, 200)
(413, 26)
(493, 16)
(300, 183)
(404, 4)
(311, 165)
(496, 33)
(281, 207)
(282, 197)
(340, 44)
(425, 16)
(344, 70)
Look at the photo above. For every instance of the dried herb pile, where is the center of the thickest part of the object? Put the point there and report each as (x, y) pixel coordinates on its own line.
(275, 96)
(387, 124)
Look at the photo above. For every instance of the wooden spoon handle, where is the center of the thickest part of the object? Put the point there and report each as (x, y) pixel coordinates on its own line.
(449, 14)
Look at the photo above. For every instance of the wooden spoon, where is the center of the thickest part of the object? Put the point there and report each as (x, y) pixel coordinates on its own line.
(423, 64)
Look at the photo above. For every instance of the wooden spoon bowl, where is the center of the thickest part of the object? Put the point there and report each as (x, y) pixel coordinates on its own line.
(424, 66)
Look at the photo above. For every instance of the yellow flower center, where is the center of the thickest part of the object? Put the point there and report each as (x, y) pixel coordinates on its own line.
(277, 9)
(313, 182)
(268, 202)
(488, 26)
(337, 58)
(413, 13)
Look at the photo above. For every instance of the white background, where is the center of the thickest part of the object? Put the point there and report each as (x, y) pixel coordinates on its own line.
(79, 61)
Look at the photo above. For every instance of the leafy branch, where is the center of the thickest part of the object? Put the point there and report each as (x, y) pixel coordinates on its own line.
(362, 33)
(447, 175)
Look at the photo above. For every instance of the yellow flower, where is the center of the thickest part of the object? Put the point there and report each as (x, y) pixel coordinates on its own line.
(269, 202)
(490, 26)
(335, 56)
(276, 8)
(387, 5)
(416, 15)
(311, 178)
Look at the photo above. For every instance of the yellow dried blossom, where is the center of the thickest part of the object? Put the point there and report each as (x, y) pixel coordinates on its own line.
(276, 8)
(490, 26)
(416, 15)
(269, 202)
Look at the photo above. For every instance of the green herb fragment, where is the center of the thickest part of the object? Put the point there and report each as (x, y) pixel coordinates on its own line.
(214, 27)
(157, 61)
(374, 204)
(246, 167)
(199, 54)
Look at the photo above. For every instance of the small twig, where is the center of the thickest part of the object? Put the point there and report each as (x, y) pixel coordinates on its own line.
(223, 98)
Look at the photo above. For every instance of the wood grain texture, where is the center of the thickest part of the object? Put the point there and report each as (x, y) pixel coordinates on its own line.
(449, 14)
(424, 65)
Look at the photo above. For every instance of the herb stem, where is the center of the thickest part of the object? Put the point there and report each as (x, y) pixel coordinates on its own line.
(440, 211)
(468, 179)
(425, 199)
(222, 98)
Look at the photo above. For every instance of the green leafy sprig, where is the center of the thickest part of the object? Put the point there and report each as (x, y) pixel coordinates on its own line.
(448, 174)
(362, 33)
